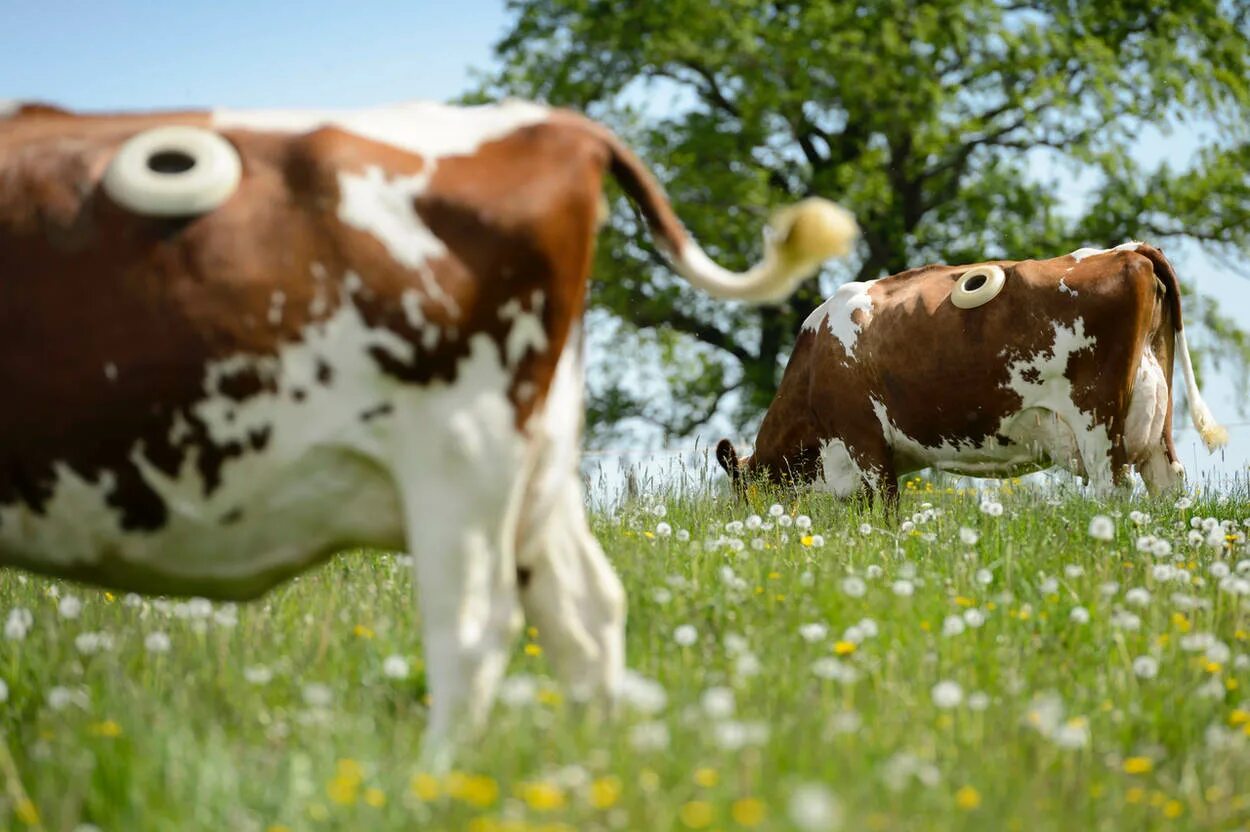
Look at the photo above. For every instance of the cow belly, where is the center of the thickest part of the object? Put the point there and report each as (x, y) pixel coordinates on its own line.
(1027, 441)
(278, 522)
(1148, 407)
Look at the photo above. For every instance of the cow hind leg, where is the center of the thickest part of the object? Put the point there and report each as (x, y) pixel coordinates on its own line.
(572, 595)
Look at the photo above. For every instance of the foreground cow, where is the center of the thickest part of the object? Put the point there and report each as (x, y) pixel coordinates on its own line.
(234, 343)
(988, 370)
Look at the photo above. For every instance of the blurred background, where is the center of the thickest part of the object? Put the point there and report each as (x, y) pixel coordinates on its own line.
(956, 131)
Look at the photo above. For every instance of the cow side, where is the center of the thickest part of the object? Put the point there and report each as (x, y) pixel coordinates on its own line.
(1067, 362)
(243, 341)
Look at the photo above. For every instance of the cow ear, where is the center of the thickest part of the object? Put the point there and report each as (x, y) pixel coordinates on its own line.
(727, 456)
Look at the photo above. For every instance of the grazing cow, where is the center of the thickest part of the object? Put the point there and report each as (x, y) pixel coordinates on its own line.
(993, 369)
(234, 343)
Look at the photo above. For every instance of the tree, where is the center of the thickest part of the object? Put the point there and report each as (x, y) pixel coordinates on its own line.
(956, 130)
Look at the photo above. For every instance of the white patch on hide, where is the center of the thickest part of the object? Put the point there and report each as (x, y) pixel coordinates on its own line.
(1066, 289)
(836, 313)
(527, 332)
(427, 128)
(840, 475)
(1081, 253)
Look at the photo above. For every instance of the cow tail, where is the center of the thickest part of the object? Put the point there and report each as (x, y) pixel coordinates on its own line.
(798, 239)
(1213, 434)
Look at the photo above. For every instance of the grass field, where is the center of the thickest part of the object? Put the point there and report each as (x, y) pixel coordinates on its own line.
(990, 665)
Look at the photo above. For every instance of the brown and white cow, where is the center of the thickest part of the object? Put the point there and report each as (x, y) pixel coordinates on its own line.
(987, 370)
(234, 343)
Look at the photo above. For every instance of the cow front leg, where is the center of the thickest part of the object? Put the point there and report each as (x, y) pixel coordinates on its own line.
(461, 530)
(1160, 471)
(571, 593)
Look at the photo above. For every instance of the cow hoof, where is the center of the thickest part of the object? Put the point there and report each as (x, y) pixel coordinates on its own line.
(174, 171)
(978, 286)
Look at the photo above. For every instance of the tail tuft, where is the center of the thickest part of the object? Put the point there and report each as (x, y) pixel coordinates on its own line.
(806, 234)
(1213, 435)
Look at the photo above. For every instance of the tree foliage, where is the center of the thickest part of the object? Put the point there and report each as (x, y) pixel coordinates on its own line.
(956, 130)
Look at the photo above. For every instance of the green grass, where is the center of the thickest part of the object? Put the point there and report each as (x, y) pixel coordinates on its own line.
(1054, 729)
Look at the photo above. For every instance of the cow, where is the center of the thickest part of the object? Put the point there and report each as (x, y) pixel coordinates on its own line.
(233, 343)
(987, 370)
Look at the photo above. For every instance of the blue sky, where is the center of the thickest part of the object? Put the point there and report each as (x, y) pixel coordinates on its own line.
(135, 54)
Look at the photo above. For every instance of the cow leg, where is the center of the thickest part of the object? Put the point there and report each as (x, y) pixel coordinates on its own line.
(462, 466)
(466, 590)
(572, 595)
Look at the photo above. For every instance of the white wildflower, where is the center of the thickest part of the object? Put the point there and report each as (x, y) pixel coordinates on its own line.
(1078, 615)
(257, 674)
(649, 736)
(157, 642)
(1145, 667)
(813, 808)
(854, 586)
(718, 702)
(395, 667)
(947, 694)
(1101, 527)
(813, 632)
(69, 607)
(685, 635)
(904, 588)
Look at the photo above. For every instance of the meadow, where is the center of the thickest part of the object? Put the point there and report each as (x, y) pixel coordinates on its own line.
(1002, 659)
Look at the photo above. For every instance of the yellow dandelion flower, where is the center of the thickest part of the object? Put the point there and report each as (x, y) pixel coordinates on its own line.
(967, 798)
(1138, 765)
(1231, 684)
(748, 812)
(532, 632)
(759, 590)
(648, 780)
(479, 790)
(349, 769)
(1097, 790)
(779, 598)
(375, 797)
(542, 797)
(706, 777)
(110, 597)
(1157, 799)
(1173, 809)
(533, 650)
(773, 576)
(1212, 667)
(424, 787)
(1181, 622)
(1239, 716)
(277, 827)
(649, 535)
(926, 626)
(318, 811)
(1135, 795)
(26, 812)
(964, 601)
(697, 814)
(549, 696)
(1162, 639)
(108, 728)
(604, 792)
(1241, 635)
(806, 540)
(361, 631)
(343, 790)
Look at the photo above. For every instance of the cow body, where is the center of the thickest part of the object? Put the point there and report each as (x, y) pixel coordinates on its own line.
(1069, 364)
(352, 329)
